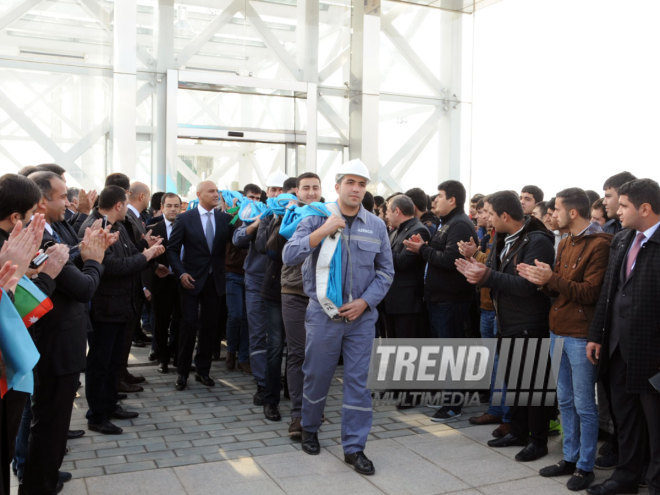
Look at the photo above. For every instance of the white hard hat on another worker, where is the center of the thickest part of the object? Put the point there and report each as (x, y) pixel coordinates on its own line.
(276, 179)
(352, 167)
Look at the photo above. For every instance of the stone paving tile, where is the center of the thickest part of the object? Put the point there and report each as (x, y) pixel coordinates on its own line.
(190, 439)
(162, 481)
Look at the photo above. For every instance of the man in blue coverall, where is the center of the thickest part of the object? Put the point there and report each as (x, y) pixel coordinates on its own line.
(366, 275)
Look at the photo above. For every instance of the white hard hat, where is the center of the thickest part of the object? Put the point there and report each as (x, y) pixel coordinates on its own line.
(353, 167)
(276, 179)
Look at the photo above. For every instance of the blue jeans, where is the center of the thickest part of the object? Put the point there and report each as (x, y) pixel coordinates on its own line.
(448, 320)
(237, 323)
(576, 396)
(488, 329)
(275, 348)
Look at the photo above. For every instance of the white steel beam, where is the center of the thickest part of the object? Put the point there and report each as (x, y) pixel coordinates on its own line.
(124, 88)
(17, 12)
(364, 84)
(182, 59)
(273, 43)
(411, 57)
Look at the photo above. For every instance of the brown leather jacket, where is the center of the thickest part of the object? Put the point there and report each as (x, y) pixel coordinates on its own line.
(576, 281)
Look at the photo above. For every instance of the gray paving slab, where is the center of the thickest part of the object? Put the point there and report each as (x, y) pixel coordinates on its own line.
(200, 439)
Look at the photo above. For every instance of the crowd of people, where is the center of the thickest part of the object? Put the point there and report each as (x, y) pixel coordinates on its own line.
(278, 266)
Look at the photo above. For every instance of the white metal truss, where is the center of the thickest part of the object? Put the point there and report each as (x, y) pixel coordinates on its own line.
(282, 44)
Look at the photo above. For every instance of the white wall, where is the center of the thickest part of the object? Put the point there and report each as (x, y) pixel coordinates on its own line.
(566, 93)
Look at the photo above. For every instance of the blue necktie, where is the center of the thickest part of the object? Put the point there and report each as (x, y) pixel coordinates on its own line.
(57, 237)
(209, 231)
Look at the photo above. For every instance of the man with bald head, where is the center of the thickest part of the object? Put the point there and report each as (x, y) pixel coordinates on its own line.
(203, 233)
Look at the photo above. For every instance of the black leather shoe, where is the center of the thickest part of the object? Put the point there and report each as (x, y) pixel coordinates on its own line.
(360, 463)
(64, 476)
(310, 443)
(152, 356)
(272, 412)
(580, 480)
(121, 413)
(258, 397)
(611, 487)
(507, 440)
(532, 452)
(134, 380)
(71, 434)
(608, 460)
(204, 380)
(163, 368)
(59, 486)
(129, 387)
(181, 382)
(560, 469)
(105, 427)
(121, 396)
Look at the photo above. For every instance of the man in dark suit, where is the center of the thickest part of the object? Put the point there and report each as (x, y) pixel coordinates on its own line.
(165, 287)
(18, 202)
(114, 305)
(61, 338)
(138, 200)
(403, 304)
(203, 233)
(624, 337)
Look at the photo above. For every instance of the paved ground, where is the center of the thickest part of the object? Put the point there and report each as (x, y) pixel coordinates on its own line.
(211, 441)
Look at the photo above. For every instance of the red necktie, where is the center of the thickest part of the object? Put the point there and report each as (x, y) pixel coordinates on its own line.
(632, 254)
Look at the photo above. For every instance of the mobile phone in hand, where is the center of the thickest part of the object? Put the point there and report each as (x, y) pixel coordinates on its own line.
(38, 260)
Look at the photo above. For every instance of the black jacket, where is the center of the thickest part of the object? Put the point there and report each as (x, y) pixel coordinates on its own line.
(443, 282)
(407, 290)
(61, 334)
(268, 241)
(642, 340)
(522, 309)
(197, 259)
(117, 299)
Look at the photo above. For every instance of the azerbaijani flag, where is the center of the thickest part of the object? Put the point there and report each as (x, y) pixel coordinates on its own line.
(18, 354)
(30, 302)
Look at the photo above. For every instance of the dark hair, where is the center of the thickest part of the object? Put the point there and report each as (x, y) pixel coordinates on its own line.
(306, 175)
(534, 191)
(598, 205)
(550, 204)
(50, 167)
(454, 189)
(544, 207)
(506, 202)
(476, 198)
(617, 180)
(640, 191)
(368, 201)
(165, 197)
(43, 180)
(379, 200)
(404, 204)
(480, 203)
(592, 195)
(156, 200)
(71, 193)
(110, 196)
(290, 183)
(27, 170)
(263, 196)
(575, 198)
(118, 179)
(419, 198)
(252, 188)
(17, 195)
